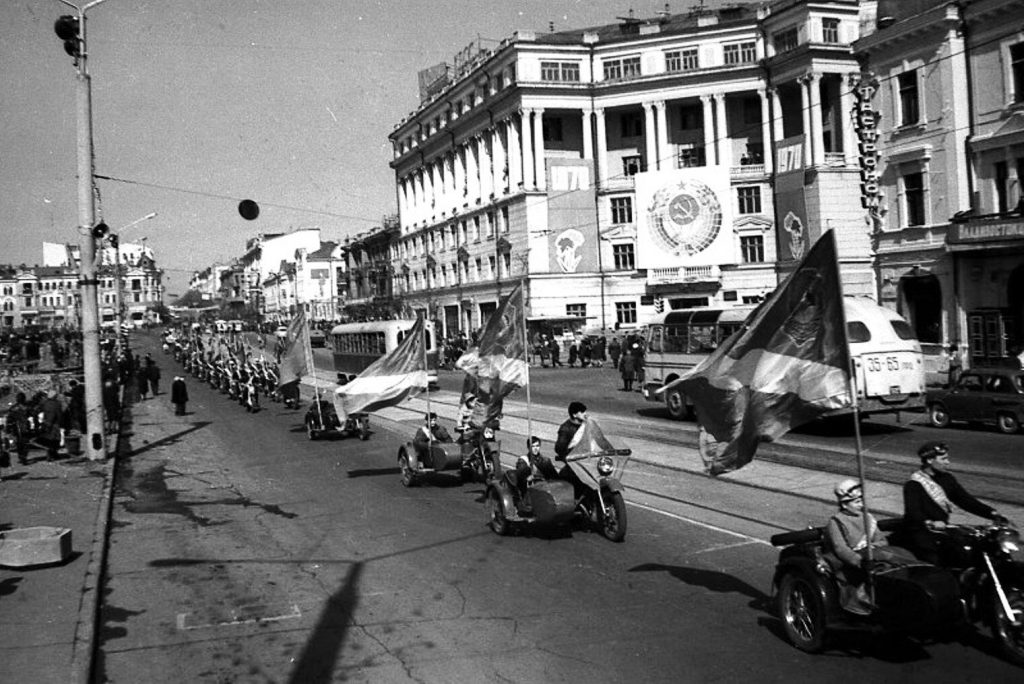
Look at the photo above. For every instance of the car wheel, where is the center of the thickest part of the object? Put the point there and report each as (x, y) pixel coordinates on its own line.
(675, 402)
(1008, 424)
(938, 416)
(802, 613)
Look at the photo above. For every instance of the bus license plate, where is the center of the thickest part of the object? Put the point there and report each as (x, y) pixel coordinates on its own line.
(882, 364)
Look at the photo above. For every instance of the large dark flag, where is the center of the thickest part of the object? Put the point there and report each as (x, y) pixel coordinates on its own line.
(389, 380)
(788, 365)
(498, 363)
(295, 357)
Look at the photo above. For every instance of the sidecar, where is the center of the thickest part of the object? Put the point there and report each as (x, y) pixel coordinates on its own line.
(415, 462)
(546, 503)
(326, 423)
(918, 600)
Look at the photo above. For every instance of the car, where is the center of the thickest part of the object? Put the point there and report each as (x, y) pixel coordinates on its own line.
(317, 338)
(282, 331)
(993, 396)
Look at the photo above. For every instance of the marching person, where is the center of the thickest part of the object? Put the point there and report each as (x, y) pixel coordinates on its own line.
(928, 499)
(179, 395)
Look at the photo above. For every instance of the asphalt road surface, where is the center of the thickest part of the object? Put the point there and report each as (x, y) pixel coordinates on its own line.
(241, 551)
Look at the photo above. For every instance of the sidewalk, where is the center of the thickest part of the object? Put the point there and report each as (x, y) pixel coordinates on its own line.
(48, 616)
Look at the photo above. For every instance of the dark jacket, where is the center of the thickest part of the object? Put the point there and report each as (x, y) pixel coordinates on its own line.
(179, 392)
(566, 431)
(919, 507)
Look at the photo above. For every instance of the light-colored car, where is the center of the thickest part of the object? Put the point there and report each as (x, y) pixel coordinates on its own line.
(282, 331)
(317, 338)
(993, 396)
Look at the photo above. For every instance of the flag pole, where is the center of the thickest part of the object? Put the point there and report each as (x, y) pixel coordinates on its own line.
(308, 353)
(426, 370)
(526, 360)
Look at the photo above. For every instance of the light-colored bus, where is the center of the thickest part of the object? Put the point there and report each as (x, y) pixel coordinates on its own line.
(354, 346)
(887, 358)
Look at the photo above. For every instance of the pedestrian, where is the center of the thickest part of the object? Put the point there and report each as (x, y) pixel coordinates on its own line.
(179, 395)
(544, 351)
(75, 417)
(555, 350)
(586, 351)
(111, 405)
(153, 375)
(51, 414)
(573, 353)
(600, 351)
(142, 382)
(628, 370)
(19, 426)
(614, 351)
(955, 365)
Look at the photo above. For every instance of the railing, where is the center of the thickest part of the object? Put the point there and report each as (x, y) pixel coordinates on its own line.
(682, 274)
(747, 170)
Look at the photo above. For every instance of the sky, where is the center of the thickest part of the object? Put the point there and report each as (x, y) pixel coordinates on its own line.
(198, 104)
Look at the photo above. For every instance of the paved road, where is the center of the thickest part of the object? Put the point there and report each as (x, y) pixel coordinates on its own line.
(240, 551)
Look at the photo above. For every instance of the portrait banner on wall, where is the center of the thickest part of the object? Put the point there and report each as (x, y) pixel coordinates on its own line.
(571, 219)
(793, 233)
(684, 217)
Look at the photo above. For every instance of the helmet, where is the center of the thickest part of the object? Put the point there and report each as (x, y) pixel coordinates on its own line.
(930, 450)
(848, 490)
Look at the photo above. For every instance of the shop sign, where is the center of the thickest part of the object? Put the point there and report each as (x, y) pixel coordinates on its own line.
(866, 119)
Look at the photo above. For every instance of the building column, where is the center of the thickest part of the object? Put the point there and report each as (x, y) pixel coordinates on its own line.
(805, 112)
(600, 178)
(846, 117)
(461, 177)
(428, 191)
(650, 138)
(588, 134)
(777, 122)
(661, 120)
(403, 206)
(538, 148)
(710, 158)
(529, 170)
(722, 131)
(472, 170)
(500, 160)
(766, 132)
(515, 155)
(817, 130)
(486, 169)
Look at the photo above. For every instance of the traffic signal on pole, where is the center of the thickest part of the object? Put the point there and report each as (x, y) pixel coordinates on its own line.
(659, 305)
(100, 230)
(67, 29)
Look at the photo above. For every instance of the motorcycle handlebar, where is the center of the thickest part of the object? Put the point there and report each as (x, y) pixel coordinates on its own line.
(598, 454)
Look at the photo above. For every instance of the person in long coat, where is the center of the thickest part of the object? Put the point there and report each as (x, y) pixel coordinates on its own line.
(179, 395)
(142, 381)
(628, 368)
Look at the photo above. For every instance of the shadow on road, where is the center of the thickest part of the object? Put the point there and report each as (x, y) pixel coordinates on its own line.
(319, 657)
(712, 580)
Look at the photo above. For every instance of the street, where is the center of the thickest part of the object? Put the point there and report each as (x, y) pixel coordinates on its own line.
(241, 551)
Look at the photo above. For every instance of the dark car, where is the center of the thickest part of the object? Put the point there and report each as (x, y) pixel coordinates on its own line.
(981, 395)
(317, 338)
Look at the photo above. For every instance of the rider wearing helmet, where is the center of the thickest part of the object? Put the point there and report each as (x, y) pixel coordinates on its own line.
(928, 499)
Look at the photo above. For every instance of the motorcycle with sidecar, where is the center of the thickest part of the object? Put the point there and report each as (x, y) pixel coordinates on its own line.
(918, 600)
(481, 452)
(416, 462)
(322, 420)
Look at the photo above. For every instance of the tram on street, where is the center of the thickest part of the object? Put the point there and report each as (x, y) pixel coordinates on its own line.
(357, 345)
(886, 356)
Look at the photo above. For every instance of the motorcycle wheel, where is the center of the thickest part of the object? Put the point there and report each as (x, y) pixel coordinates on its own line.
(408, 476)
(499, 523)
(1009, 637)
(613, 518)
(802, 613)
(310, 432)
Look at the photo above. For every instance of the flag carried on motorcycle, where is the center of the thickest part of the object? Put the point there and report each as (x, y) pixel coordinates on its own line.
(390, 379)
(497, 365)
(789, 364)
(295, 357)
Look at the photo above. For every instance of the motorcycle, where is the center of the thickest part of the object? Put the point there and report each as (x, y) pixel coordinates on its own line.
(250, 396)
(480, 451)
(989, 567)
(322, 420)
(918, 600)
(598, 490)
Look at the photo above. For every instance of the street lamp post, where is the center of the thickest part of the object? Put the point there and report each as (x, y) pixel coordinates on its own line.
(95, 447)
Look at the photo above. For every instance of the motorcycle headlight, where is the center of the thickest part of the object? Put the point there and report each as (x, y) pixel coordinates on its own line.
(488, 433)
(605, 465)
(1009, 541)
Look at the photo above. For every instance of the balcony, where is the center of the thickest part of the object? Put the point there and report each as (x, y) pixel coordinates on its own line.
(683, 274)
(747, 171)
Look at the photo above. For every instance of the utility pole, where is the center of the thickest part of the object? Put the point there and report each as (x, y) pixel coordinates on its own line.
(115, 241)
(72, 30)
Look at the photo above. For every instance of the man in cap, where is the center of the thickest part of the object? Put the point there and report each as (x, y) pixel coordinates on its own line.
(430, 432)
(928, 499)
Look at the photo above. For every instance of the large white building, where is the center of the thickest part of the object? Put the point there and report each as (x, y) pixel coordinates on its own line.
(677, 161)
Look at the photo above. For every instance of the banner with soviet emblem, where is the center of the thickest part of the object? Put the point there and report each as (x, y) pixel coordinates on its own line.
(573, 246)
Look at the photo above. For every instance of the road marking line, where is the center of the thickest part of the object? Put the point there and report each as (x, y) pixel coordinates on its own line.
(295, 613)
(699, 523)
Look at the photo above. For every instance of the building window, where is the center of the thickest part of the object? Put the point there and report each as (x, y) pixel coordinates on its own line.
(632, 165)
(786, 40)
(752, 248)
(492, 270)
(1017, 71)
(913, 198)
(624, 257)
(910, 112)
(506, 263)
(830, 30)
(476, 228)
(691, 118)
(579, 310)
(622, 210)
(740, 53)
(560, 71)
(504, 220)
(682, 60)
(552, 129)
(690, 156)
(749, 199)
(490, 225)
(632, 125)
(1002, 181)
(478, 270)
(625, 313)
(627, 67)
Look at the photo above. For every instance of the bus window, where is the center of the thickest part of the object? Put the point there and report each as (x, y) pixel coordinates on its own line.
(701, 339)
(382, 345)
(654, 338)
(426, 339)
(674, 340)
(903, 330)
(857, 332)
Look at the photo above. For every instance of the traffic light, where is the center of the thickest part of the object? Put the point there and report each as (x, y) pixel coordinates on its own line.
(67, 29)
(659, 305)
(100, 230)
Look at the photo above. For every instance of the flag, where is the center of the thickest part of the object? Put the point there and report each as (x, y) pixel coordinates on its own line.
(788, 365)
(295, 357)
(589, 439)
(390, 379)
(498, 363)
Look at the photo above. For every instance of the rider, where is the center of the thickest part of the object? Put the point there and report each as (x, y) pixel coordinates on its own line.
(928, 498)
(430, 432)
(845, 536)
(530, 464)
(568, 429)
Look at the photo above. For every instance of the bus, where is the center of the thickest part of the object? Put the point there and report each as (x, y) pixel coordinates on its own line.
(354, 346)
(886, 356)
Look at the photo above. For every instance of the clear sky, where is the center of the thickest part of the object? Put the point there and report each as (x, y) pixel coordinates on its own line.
(200, 103)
